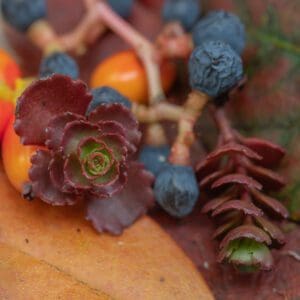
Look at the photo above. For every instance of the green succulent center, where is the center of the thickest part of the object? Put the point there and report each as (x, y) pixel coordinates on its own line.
(96, 159)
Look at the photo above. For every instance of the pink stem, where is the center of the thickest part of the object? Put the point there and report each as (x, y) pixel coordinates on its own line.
(143, 47)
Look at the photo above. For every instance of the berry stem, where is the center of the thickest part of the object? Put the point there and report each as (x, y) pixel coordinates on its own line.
(143, 47)
(174, 42)
(158, 112)
(86, 32)
(180, 152)
(223, 124)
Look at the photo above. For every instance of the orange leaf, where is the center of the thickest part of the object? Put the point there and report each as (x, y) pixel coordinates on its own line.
(49, 246)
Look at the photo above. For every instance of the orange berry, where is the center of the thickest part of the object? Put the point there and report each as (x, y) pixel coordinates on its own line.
(9, 70)
(16, 157)
(125, 73)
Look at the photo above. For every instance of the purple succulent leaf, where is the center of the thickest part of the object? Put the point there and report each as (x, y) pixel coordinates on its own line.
(274, 205)
(214, 203)
(230, 149)
(238, 205)
(206, 167)
(117, 144)
(223, 229)
(45, 99)
(42, 185)
(271, 153)
(207, 181)
(269, 179)
(246, 231)
(123, 209)
(56, 172)
(111, 183)
(74, 177)
(237, 179)
(56, 127)
(122, 115)
(113, 127)
(273, 230)
(75, 132)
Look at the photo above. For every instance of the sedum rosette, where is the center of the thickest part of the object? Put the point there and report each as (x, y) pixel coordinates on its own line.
(86, 158)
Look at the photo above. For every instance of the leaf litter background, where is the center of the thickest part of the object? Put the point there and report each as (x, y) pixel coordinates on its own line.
(269, 107)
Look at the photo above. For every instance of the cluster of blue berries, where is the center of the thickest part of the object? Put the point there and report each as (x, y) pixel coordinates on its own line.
(21, 14)
(176, 189)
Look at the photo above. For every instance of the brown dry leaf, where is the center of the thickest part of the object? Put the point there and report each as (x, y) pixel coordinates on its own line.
(43, 246)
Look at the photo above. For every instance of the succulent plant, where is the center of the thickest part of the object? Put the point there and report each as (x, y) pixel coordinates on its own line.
(83, 157)
(237, 176)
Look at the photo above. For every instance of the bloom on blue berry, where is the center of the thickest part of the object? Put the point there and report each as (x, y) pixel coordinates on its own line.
(154, 158)
(220, 26)
(21, 14)
(107, 95)
(59, 63)
(184, 11)
(214, 68)
(176, 190)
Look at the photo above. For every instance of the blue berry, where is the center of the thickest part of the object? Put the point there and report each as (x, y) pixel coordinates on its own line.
(176, 190)
(184, 11)
(121, 7)
(154, 158)
(59, 63)
(221, 26)
(214, 68)
(107, 95)
(22, 13)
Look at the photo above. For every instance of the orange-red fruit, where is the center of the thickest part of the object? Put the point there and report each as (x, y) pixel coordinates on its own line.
(16, 157)
(9, 70)
(6, 111)
(125, 72)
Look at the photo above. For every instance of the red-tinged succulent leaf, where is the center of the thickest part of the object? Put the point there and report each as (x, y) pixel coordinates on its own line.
(111, 183)
(123, 209)
(207, 181)
(246, 231)
(223, 229)
(238, 179)
(211, 205)
(269, 179)
(271, 153)
(45, 99)
(74, 177)
(55, 129)
(42, 184)
(273, 230)
(122, 115)
(243, 206)
(233, 148)
(274, 205)
(75, 132)
(206, 167)
(56, 172)
(107, 127)
(117, 144)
